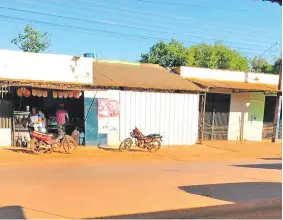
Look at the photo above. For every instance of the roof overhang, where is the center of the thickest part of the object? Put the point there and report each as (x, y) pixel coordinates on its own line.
(235, 86)
(48, 84)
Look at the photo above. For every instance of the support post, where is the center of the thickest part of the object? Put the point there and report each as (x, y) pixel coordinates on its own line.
(212, 126)
(276, 119)
(201, 118)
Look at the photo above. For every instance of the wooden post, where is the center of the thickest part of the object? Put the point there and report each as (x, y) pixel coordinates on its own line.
(212, 126)
(276, 119)
(201, 118)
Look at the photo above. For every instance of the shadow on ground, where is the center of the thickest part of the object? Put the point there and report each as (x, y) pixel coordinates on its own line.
(117, 150)
(19, 150)
(16, 212)
(271, 158)
(269, 166)
(11, 212)
(27, 150)
(271, 209)
(237, 192)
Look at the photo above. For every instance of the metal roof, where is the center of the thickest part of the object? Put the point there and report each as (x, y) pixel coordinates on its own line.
(245, 86)
(139, 77)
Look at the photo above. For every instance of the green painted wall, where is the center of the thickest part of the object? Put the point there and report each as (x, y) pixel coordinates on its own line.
(256, 107)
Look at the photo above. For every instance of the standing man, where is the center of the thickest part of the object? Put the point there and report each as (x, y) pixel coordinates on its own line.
(62, 115)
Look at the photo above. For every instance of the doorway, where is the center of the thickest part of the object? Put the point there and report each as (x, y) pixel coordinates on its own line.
(269, 110)
(216, 120)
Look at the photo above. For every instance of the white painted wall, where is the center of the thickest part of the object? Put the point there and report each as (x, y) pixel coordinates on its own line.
(238, 114)
(175, 116)
(5, 140)
(243, 107)
(225, 75)
(48, 67)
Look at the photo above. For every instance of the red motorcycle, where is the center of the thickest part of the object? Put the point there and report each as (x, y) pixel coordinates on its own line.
(44, 142)
(151, 142)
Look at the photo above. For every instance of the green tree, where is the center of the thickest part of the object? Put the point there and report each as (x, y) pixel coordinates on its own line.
(168, 55)
(261, 65)
(217, 56)
(276, 66)
(32, 40)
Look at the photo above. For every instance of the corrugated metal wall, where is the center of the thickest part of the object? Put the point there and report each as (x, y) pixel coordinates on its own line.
(175, 116)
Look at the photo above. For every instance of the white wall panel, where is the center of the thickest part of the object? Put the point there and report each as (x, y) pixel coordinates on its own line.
(175, 116)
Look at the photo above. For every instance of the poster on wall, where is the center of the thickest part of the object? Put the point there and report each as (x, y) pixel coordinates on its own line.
(103, 110)
(103, 116)
(113, 106)
(108, 116)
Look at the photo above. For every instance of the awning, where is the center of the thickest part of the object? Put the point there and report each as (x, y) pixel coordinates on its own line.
(141, 77)
(242, 86)
(46, 84)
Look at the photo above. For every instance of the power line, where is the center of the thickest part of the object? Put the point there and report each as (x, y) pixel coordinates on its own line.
(194, 6)
(141, 12)
(268, 49)
(165, 26)
(90, 30)
(122, 25)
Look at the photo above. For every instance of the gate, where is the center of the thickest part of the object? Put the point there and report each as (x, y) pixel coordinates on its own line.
(216, 119)
(269, 111)
(6, 108)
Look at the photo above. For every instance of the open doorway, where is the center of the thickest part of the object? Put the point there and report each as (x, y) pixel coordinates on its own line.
(269, 110)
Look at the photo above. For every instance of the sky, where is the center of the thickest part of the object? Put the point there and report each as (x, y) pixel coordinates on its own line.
(123, 29)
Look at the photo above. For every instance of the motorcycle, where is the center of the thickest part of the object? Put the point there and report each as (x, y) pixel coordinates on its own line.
(151, 142)
(43, 142)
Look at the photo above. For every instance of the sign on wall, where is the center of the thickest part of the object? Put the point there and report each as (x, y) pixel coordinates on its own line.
(47, 67)
(108, 116)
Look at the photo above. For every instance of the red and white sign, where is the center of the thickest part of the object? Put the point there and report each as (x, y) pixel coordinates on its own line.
(108, 115)
(103, 111)
(113, 106)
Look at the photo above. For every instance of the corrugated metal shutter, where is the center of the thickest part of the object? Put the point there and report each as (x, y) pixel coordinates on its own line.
(175, 116)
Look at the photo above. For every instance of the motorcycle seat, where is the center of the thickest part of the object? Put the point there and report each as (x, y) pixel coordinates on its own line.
(154, 135)
(41, 133)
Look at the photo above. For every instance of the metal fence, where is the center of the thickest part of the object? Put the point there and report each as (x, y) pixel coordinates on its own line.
(6, 107)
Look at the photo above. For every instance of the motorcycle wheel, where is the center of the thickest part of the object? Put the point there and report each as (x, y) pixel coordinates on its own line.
(126, 144)
(154, 146)
(35, 147)
(69, 145)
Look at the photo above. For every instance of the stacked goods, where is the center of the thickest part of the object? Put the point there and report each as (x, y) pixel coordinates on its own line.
(23, 92)
(55, 94)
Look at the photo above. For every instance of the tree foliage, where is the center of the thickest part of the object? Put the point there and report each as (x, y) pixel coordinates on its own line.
(261, 65)
(276, 66)
(175, 54)
(169, 55)
(217, 56)
(32, 40)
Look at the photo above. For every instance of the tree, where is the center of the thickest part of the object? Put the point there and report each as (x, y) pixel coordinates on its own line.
(261, 65)
(32, 40)
(276, 66)
(169, 55)
(276, 1)
(217, 56)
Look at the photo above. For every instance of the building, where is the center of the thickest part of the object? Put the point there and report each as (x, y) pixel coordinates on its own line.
(239, 105)
(114, 97)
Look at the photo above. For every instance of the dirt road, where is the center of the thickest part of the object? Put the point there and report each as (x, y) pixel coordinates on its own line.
(103, 183)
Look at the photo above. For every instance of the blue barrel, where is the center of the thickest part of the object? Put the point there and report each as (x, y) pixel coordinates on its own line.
(90, 55)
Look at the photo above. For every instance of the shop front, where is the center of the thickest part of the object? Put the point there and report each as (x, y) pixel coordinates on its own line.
(47, 104)
(46, 82)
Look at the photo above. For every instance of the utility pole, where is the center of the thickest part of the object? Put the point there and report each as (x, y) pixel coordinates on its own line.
(276, 119)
